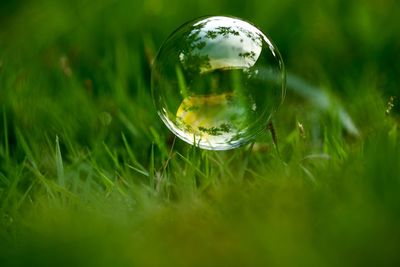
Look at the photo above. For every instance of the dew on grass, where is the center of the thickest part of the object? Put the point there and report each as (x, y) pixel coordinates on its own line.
(216, 82)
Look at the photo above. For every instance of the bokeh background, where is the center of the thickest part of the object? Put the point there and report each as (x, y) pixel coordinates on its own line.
(75, 74)
(106, 47)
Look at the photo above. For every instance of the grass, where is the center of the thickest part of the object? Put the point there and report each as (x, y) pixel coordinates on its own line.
(89, 175)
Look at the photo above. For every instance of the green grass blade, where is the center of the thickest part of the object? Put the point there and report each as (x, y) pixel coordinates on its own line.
(59, 164)
(6, 141)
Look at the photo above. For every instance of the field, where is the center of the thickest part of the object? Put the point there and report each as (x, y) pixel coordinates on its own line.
(90, 176)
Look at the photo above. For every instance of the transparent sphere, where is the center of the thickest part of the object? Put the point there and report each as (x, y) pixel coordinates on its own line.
(216, 82)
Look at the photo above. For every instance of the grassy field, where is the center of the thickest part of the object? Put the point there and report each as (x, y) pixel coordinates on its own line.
(90, 176)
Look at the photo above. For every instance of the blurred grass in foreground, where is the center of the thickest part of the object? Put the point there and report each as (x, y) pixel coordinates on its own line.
(90, 176)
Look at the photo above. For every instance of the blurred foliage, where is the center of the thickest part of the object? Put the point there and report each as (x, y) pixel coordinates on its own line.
(90, 176)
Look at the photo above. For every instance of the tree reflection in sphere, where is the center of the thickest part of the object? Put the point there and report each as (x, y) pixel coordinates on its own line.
(216, 82)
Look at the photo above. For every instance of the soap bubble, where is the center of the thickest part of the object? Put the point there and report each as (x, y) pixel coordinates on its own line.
(216, 82)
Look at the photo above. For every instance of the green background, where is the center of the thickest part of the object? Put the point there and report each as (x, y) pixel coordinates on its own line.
(89, 175)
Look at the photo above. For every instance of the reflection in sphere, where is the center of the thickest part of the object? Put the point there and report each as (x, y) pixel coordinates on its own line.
(216, 82)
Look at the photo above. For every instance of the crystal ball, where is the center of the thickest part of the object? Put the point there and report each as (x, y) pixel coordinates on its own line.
(217, 81)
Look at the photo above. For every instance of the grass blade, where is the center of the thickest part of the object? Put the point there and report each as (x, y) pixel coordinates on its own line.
(59, 164)
(6, 141)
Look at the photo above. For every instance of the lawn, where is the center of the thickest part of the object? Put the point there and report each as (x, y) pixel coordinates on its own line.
(90, 176)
